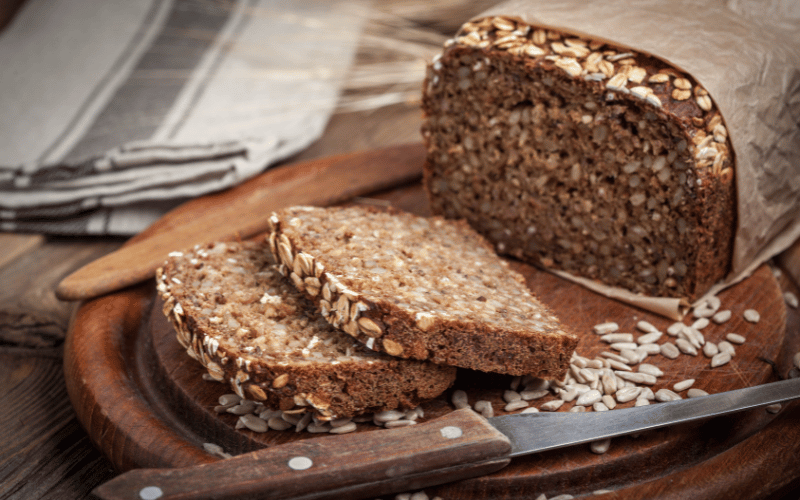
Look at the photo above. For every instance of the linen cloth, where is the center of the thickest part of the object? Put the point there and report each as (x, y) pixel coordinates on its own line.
(115, 111)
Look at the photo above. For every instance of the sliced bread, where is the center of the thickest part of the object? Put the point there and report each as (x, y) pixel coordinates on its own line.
(235, 314)
(421, 288)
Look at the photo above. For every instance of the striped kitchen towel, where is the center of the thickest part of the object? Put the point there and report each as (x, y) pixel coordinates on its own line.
(115, 111)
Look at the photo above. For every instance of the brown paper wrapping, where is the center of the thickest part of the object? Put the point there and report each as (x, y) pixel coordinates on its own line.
(747, 55)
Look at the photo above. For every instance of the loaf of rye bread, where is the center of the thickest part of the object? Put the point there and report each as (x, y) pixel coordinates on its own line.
(235, 314)
(580, 156)
(421, 288)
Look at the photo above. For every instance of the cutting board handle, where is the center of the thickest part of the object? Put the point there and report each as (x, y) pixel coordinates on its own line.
(459, 445)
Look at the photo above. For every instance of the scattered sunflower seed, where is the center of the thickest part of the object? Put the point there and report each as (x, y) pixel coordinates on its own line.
(721, 358)
(722, 316)
(675, 328)
(552, 405)
(686, 347)
(649, 338)
(796, 360)
(696, 393)
(700, 323)
(588, 398)
(664, 395)
(485, 408)
(627, 394)
(612, 338)
(343, 429)
(459, 399)
(791, 299)
(604, 328)
(647, 393)
(669, 350)
(725, 346)
(641, 402)
(516, 405)
(399, 423)
(530, 409)
(735, 338)
(710, 349)
(600, 447)
(773, 408)
(683, 385)
(651, 369)
(751, 315)
(646, 327)
(609, 401)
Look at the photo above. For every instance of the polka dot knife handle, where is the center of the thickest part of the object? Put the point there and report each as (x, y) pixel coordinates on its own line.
(457, 446)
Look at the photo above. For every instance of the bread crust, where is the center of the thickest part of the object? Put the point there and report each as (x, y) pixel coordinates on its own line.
(533, 137)
(430, 294)
(225, 299)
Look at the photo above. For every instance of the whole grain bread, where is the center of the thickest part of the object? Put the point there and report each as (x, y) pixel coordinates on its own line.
(235, 314)
(580, 156)
(420, 288)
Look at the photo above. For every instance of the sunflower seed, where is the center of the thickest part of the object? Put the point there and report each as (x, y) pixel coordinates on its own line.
(722, 316)
(710, 349)
(568, 395)
(735, 338)
(641, 402)
(589, 398)
(791, 299)
(649, 338)
(609, 401)
(796, 360)
(683, 385)
(725, 346)
(600, 406)
(628, 394)
(530, 395)
(385, 416)
(650, 369)
(700, 323)
(604, 328)
(613, 356)
(609, 382)
(459, 399)
(637, 378)
(721, 358)
(646, 327)
(647, 393)
(279, 424)
(516, 405)
(485, 408)
(696, 393)
(632, 356)
(751, 315)
(686, 347)
(618, 346)
(669, 350)
(511, 396)
(649, 349)
(254, 423)
(530, 409)
(600, 447)
(553, 405)
(675, 328)
(612, 338)
(399, 423)
(664, 395)
(577, 409)
(773, 408)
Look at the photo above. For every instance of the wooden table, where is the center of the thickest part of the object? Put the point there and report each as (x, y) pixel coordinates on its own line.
(45, 452)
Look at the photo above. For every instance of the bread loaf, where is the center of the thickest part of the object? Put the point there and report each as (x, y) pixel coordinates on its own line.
(576, 155)
(235, 314)
(419, 288)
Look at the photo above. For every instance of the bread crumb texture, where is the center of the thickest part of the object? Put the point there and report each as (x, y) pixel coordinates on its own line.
(249, 327)
(419, 288)
(572, 154)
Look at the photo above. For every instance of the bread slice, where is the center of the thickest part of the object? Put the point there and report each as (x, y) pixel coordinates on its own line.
(235, 314)
(421, 288)
(580, 156)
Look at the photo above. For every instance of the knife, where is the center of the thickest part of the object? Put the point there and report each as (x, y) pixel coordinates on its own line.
(457, 446)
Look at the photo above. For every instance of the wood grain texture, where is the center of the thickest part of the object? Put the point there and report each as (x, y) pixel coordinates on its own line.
(348, 465)
(243, 211)
(30, 314)
(182, 401)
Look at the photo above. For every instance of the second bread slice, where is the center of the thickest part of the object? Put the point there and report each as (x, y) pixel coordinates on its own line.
(421, 288)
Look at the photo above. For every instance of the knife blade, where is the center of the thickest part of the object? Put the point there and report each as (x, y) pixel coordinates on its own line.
(456, 446)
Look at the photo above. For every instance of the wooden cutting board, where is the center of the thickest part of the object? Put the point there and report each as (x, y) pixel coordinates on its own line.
(144, 403)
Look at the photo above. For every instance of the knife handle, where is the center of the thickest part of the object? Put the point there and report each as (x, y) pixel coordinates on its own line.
(459, 445)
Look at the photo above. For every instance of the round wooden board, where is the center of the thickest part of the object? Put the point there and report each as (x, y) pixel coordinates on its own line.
(144, 403)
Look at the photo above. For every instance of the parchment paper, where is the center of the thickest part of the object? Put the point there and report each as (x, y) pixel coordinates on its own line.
(747, 55)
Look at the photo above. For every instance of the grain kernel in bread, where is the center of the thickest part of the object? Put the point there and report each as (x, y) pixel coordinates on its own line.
(425, 288)
(611, 165)
(235, 314)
